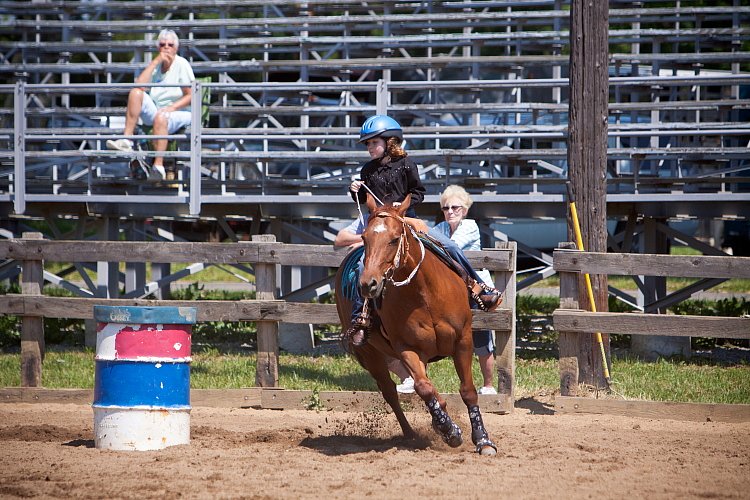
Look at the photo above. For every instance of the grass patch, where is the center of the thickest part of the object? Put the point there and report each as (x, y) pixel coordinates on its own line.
(666, 380)
(61, 369)
(675, 380)
(213, 273)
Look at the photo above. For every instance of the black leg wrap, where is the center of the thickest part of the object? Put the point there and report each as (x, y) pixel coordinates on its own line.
(479, 435)
(443, 425)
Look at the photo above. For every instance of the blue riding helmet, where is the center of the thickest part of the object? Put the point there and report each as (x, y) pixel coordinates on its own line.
(380, 125)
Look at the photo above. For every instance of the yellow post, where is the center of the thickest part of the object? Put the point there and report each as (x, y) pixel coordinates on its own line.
(587, 279)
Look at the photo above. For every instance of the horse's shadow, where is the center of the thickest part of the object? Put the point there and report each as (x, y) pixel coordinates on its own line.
(338, 445)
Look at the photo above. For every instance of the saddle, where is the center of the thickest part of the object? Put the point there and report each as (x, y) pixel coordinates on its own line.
(485, 297)
(441, 253)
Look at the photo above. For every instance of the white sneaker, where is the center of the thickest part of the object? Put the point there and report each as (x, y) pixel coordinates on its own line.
(157, 171)
(406, 387)
(125, 145)
(486, 390)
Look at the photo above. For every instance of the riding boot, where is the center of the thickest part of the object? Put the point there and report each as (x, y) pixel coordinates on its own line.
(359, 330)
(486, 297)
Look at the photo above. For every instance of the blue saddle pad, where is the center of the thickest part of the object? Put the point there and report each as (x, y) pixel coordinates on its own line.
(439, 251)
(432, 245)
(350, 274)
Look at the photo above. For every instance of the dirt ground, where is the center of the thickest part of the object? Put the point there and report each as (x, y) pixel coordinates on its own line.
(47, 450)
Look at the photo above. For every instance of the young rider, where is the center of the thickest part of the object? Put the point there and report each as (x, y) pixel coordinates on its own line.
(390, 176)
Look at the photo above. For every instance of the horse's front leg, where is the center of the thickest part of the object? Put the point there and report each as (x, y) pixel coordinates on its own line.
(441, 421)
(462, 361)
(479, 436)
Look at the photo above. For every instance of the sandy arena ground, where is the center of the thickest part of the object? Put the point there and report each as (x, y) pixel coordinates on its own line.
(48, 451)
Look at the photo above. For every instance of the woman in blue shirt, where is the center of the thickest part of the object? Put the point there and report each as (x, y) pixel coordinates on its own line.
(455, 203)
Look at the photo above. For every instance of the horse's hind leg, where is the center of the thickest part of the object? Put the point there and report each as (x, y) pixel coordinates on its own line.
(375, 363)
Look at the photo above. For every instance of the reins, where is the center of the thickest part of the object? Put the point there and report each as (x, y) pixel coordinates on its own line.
(359, 209)
(403, 248)
(403, 245)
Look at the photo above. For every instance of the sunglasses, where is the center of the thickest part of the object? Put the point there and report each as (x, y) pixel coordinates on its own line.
(455, 208)
(166, 44)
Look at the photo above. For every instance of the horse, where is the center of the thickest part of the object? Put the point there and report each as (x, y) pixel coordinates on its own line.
(422, 315)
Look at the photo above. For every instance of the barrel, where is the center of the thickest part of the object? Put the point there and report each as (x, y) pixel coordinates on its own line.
(142, 377)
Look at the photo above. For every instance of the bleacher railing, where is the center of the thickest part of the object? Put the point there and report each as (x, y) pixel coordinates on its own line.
(326, 152)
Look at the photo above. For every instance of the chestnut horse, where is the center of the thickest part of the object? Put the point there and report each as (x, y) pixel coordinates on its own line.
(423, 314)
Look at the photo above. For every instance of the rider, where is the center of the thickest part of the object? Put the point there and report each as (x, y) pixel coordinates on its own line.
(390, 176)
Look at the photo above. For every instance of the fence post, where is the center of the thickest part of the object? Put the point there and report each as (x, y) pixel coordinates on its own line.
(267, 366)
(32, 327)
(505, 341)
(568, 341)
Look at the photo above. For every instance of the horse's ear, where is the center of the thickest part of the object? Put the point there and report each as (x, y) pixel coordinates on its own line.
(371, 205)
(404, 205)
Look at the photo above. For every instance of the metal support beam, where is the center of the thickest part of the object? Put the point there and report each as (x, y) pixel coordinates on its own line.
(107, 273)
(135, 272)
(381, 106)
(19, 153)
(195, 149)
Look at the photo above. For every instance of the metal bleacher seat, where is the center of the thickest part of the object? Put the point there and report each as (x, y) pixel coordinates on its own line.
(172, 166)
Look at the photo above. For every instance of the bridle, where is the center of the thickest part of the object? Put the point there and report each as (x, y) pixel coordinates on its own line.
(402, 251)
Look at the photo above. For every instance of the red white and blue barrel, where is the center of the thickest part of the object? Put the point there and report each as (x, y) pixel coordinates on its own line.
(142, 377)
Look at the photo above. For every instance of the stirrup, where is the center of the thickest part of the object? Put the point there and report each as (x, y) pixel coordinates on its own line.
(486, 297)
(357, 335)
(359, 331)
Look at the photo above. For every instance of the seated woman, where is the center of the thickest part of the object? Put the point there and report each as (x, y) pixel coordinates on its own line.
(455, 203)
(166, 108)
(390, 176)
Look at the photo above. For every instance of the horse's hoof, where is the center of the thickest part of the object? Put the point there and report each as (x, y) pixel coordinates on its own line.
(454, 441)
(454, 437)
(451, 436)
(486, 447)
(410, 435)
(488, 451)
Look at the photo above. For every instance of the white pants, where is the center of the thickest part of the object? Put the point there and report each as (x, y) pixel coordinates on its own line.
(177, 119)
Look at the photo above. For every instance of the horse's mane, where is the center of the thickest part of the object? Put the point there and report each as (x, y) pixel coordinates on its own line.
(388, 208)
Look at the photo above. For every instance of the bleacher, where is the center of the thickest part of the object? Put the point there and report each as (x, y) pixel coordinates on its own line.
(481, 88)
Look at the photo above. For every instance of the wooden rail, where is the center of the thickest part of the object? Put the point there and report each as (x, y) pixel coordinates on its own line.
(264, 253)
(570, 321)
(685, 266)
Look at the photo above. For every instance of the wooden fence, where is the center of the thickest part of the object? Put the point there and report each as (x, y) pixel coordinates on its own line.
(264, 254)
(570, 321)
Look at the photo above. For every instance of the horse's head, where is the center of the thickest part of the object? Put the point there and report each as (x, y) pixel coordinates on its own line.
(385, 239)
